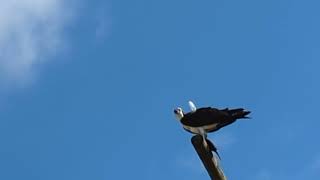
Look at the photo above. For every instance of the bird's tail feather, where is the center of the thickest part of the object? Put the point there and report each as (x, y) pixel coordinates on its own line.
(240, 114)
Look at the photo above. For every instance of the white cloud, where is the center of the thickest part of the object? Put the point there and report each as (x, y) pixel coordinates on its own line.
(30, 31)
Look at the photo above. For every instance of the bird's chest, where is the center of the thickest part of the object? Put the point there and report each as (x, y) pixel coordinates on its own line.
(197, 130)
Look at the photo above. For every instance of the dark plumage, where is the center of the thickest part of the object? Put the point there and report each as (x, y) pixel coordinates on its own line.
(203, 120)
(215, 118)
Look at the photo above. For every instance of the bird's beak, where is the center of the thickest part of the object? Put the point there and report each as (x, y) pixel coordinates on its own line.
(175, 111)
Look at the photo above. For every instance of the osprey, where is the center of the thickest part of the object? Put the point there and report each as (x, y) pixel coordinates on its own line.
(204, 120)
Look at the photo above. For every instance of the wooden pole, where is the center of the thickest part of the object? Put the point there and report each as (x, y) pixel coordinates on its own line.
(209, 161)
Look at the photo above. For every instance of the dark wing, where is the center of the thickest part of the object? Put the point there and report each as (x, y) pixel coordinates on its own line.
(233, 115)
(204, 116)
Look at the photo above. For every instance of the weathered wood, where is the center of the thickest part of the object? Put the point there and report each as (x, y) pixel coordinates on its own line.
(209, 161)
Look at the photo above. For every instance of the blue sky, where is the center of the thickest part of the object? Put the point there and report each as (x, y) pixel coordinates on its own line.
(87, 89)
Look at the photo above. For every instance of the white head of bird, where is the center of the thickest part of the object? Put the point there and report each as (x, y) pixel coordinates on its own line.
(178, 113)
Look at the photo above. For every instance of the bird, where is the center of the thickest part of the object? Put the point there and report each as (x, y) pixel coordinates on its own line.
(208, 119)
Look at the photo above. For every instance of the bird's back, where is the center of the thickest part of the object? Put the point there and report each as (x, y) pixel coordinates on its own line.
(204, 116)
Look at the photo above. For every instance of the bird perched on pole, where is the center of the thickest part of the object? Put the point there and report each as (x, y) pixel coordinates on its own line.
(207, 119)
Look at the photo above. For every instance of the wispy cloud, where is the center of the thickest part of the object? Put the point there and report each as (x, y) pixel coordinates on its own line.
(223, 140)
(316, 164)
(189, 162)
(30, 31)
(307, 170)
(103, 23)
(263, 174)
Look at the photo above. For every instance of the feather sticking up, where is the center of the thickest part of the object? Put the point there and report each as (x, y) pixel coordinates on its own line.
(192, 106)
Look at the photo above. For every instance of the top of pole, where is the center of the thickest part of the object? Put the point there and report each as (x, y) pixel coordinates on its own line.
(209, 161)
